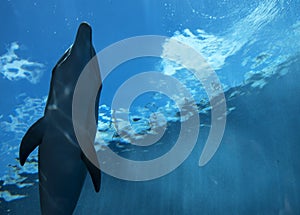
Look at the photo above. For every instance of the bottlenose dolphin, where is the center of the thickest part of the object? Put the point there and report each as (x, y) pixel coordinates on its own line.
(61, 162)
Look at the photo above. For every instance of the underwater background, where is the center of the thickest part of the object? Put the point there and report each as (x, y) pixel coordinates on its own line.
(253, 46)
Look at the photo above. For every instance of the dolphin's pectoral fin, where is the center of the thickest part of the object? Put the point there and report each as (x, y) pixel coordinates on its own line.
(31, 140)
(94, 172)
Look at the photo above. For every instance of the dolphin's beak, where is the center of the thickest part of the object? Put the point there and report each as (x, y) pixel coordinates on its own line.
(83, 36)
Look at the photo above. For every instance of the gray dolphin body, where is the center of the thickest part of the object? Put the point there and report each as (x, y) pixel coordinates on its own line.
(62, 164)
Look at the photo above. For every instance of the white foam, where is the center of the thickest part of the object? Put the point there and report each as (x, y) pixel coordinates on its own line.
(13, 67)
(7, 196)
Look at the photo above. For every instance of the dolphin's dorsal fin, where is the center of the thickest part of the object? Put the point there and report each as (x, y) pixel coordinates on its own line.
(94, 172)
(32, 139)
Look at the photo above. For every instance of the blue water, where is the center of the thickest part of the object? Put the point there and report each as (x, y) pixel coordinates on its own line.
(253, 46)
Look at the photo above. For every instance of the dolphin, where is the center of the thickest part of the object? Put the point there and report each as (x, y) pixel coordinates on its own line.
(61, 163)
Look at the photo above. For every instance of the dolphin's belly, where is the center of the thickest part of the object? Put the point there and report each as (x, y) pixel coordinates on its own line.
(61, 173)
